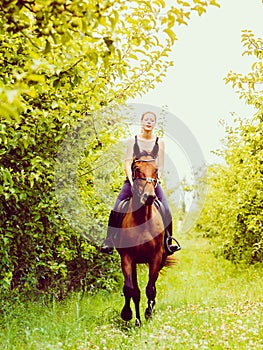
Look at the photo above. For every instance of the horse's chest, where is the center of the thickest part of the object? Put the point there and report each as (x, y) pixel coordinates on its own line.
(136, 233)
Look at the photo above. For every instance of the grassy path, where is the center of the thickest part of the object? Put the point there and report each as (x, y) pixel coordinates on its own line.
(202, 303)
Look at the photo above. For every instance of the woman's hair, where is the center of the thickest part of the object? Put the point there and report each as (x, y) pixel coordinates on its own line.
(149, 112)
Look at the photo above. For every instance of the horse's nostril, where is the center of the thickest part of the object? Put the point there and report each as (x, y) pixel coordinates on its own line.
(150, 199)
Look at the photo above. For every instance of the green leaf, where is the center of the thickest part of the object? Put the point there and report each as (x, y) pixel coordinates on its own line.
(171, 34)
(47, 47)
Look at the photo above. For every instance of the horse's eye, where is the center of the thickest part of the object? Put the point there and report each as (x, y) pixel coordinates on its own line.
(138, 173)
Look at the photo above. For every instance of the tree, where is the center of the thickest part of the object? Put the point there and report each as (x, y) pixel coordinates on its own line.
(233, 211)
(61, 62)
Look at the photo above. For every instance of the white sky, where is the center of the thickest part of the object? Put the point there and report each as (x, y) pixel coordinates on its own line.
(207, 49)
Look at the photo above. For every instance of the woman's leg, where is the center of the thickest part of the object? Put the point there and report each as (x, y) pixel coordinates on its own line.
(161, 196)
(167, 220)
(108, 244)
(125, 192)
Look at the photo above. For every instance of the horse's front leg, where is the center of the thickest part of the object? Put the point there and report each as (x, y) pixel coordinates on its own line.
(136, 296)
(128, 289)
(151, 294)
(151, 289)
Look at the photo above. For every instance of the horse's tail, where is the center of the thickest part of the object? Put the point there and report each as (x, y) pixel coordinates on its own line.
(169, 261)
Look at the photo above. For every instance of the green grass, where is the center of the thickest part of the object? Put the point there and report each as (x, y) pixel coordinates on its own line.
(202, 303)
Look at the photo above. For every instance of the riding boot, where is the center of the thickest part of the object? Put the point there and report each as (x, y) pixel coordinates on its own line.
(170, 247)
(108, 244)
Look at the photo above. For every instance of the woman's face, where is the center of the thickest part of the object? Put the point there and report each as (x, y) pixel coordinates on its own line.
(148, 121)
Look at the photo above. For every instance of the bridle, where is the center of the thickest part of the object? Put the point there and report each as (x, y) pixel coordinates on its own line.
(146, 179)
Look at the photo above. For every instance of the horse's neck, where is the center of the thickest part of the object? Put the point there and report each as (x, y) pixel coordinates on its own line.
(141, 213)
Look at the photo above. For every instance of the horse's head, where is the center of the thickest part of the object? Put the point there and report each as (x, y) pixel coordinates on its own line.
(145, 175)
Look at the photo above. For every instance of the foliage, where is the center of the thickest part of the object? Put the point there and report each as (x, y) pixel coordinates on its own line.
(202, 303)
(60, 62)
(233, 211)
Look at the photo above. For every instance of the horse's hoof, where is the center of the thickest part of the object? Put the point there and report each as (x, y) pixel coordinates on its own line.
(148, 313)
(126, 314)
(149, 310)
(138, 322)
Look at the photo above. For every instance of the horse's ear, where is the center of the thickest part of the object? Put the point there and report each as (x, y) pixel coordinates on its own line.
(155, 150)
(136, 150)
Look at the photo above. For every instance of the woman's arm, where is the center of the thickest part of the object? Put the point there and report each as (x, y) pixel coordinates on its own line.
(161, 159)
(128, 160)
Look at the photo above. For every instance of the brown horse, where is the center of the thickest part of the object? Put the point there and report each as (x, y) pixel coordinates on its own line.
(141, 237)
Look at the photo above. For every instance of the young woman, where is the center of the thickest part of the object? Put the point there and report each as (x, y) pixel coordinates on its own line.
(146, 141)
